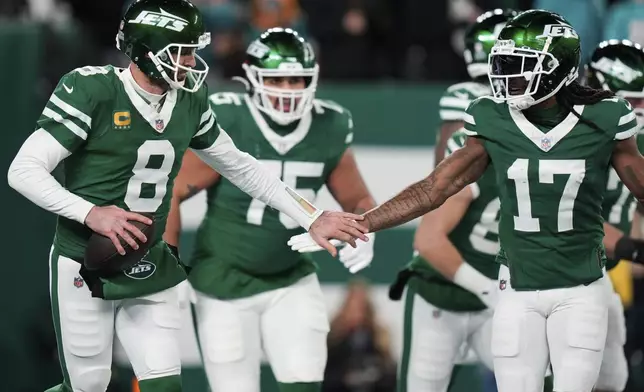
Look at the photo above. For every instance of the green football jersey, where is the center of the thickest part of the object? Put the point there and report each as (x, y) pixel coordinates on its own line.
(458, 97)
(619, 204)
(123, 153)
(241, 245)
(475, 237)
(551, 182)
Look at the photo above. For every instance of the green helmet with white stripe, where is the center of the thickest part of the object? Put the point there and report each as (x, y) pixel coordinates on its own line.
(156, 34)
(618, 66)
(281, 53)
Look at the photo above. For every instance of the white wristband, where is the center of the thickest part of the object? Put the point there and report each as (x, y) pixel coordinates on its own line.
(472, 280)
(292, 204)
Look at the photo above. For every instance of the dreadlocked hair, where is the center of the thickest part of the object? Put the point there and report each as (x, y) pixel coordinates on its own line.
(577, 94)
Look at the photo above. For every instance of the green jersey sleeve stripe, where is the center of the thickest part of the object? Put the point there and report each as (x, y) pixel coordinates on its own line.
(349, 138)
(66, 122)
(205, 116)
(625, 119)
(628, 133)
(454, 102)
(451, 115)
(469, 119)
(452, 145)
(72, 111)
(206, 127)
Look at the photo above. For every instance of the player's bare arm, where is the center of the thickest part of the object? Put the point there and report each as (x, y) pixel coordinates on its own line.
(629, 164)
(348, 187)
(450, 176)
(445, 132)
(193, 177)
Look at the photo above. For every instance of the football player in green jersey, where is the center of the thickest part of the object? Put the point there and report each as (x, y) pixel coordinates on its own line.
(122, 134)
(251, 291)
(618, 66)
(479, 38)
(550, 142)
(451, 292)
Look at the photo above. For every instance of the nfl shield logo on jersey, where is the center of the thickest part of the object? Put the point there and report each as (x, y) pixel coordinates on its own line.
(546, 143)
(78, 282)
(158, 124)
(502, 284)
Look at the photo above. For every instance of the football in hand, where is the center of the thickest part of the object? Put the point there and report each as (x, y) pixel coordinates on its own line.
(101, 254)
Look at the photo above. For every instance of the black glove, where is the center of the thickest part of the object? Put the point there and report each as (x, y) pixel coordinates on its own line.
(630, 249)
(174, 250)
(398, 286)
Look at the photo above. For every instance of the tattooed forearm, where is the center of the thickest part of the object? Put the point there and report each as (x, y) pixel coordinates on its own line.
(453, 174)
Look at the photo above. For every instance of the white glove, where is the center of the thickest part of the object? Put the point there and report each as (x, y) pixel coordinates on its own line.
(486, 289)
(354, 259)
(359, 257)
(186, 294)
(303, 243)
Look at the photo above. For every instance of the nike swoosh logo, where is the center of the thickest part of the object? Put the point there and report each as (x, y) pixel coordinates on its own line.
(69, 90)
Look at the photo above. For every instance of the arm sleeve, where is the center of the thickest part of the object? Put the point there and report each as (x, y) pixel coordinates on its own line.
(252, 177)
(30, 174)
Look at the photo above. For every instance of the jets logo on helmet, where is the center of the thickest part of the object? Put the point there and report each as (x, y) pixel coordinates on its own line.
(558, 30)
(257, 49)
(616, 69)
(161, 19)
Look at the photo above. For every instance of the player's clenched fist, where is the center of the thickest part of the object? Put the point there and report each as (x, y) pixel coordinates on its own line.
(112, 222)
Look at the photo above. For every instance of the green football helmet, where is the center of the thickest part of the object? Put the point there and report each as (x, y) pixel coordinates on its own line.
(278, 53)
(535, 55)
(480, 37)
(154, 34)
(618, 66)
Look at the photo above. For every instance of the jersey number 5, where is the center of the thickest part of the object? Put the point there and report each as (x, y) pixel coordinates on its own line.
(548, 168)
(289, 172)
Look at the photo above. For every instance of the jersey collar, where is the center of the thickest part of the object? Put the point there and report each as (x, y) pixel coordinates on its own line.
(157, 120)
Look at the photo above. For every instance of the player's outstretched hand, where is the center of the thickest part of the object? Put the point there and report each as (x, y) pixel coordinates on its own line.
(341, 226)
(112, 222)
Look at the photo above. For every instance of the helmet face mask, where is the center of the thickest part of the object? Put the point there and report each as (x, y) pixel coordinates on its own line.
(284, 105)
(161, 38)
(536, 54)
(168, 62)
(515, 75)
(281, 53)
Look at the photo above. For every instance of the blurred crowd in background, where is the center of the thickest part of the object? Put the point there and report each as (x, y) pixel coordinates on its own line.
(355, 39)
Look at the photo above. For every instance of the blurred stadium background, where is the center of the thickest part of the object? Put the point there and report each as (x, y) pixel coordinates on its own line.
(388, 61)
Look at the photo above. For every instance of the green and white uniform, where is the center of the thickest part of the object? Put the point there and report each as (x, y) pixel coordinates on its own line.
(123, 153)
(117, 150)
(252, 290)
(618, 209)
(442, 319)
(551, 181)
